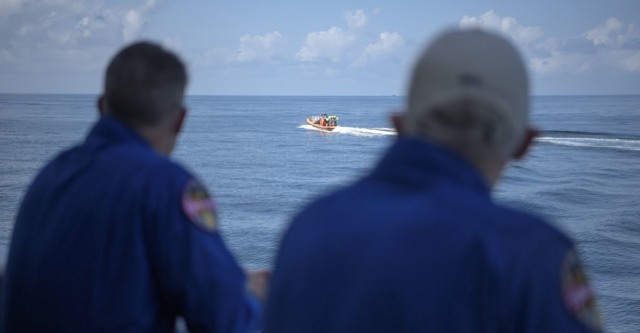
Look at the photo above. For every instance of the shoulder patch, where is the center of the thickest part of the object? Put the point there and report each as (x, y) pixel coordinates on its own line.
(578, 294)
(198, 206)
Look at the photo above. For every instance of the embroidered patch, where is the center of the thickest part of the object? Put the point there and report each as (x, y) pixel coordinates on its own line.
(577, 293)
(199, 206)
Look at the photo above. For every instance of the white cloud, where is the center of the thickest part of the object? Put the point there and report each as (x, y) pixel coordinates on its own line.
(259, 47)
(613, 33)
(69, 21)
(507, 25)
(134, 18)
(388, 44)
(612, 45)
(356, 19)
(343, 52)
(132, 22)
(630, 61)
(8, 7)
(73, 34)
(331, 44)
(605, 34)
(337, 53)
(336, 44)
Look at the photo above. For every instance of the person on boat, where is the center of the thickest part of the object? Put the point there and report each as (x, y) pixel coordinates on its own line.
(419, 245)
(113, 236)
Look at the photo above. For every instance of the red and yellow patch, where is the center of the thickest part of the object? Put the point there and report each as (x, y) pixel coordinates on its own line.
(198, 206)
(577, 293)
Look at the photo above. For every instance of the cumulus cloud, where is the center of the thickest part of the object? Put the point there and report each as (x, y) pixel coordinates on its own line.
(356, 19)
(610, 45)
(330, 44)
(132, 22)
(134, 18)
(507, 25)
(262, 47)
(350, 46)
(528, 38)
(606, 33)
(387, 45)
(335, 44)
(614, 33)
(41, 33)
(343, 51)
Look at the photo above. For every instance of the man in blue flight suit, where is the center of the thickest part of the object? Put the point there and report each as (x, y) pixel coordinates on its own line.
(112, 236)
(418, 245)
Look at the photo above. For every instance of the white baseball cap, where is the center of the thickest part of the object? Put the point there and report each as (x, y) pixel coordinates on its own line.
(471, 64)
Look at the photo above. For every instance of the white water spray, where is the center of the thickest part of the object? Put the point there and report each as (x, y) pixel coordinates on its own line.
(355, 131)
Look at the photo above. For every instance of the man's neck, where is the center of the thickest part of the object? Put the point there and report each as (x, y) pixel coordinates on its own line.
(162, 142)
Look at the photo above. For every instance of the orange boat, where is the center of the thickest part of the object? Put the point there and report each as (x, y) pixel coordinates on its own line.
(324, 122)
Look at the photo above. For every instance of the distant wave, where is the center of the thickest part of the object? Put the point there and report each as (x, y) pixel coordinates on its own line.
(584, 134)
(590, 140)
(356, 131)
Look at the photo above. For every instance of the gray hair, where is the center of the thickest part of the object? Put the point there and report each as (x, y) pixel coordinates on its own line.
(469, 124)
(143, 84)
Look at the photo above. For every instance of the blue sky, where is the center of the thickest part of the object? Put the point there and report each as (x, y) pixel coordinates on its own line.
(317, 48)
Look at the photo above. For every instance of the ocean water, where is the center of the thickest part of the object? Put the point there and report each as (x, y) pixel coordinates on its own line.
(262, 164)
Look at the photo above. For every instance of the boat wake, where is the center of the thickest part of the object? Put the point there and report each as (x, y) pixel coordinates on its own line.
(590, 140)
(575, 139)
(355, 131)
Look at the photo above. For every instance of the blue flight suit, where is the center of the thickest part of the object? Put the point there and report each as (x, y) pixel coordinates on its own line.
(419, 246)
(113, 237)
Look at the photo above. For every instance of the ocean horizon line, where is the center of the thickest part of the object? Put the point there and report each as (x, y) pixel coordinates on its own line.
(265, 95)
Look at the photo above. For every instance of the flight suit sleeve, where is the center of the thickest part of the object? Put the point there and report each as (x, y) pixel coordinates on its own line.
(558, 296)
(197, 277)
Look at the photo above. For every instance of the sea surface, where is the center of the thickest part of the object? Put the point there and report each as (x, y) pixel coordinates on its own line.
(262, 163)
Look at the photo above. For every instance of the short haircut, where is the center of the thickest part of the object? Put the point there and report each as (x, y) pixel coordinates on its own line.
(469, 124)
(143, 84)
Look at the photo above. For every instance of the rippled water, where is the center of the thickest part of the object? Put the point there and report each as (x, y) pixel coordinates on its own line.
(262, 162)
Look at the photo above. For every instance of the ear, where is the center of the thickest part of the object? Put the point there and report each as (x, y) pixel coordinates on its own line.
(101, 106)
(177, 125)
(531, 134)
(397, 119)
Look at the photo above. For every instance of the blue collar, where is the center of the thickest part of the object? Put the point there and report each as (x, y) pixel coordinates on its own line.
(415, 162)
(109, 130)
